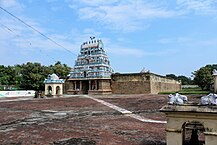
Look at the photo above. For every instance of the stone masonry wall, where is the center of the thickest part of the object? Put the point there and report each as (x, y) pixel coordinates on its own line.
(130, 84)
(163, 84)
(131, 87)
(142, 83)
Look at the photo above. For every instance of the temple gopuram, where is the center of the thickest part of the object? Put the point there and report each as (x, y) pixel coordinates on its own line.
(91, 73)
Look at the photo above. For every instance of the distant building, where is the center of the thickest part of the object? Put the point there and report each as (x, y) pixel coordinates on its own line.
(92, 71)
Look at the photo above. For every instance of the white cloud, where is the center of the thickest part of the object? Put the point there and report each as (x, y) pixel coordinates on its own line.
(190, 41)
(178, 40)
(98, 2)
(12, 4)
(126, 51)
(137, 53)
(123, 15)
(8, 3)
(14, 34)
(199, 6)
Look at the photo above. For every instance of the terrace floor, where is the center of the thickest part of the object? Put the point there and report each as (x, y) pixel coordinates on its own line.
(104, 120)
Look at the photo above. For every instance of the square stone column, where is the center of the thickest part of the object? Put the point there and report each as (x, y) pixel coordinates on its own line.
(215, 82)
(174, 138)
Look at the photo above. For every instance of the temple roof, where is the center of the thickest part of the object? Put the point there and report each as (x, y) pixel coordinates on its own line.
(53, 78)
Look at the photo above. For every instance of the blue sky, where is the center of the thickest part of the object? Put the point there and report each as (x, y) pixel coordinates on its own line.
(163, 36)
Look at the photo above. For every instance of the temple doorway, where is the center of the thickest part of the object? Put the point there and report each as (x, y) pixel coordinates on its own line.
(85, 86)
(193, 133)
(49, 90)
(57, 90)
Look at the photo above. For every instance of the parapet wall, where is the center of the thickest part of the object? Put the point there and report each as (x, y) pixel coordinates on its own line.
(24, 93)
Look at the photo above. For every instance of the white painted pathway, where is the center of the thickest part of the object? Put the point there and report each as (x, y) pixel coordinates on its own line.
(125, 112)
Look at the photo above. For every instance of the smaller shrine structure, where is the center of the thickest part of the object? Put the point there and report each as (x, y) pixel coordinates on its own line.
(53, 85)
(92, 71)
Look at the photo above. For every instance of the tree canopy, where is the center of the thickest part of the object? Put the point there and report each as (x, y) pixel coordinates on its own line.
(185, 80)
(203, 77)
(30, 76)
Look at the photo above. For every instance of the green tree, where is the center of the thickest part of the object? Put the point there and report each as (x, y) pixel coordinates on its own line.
(185, 80)
(203, 77)
(61, 70)
(32, 76)
(7, 75)
(172, 76)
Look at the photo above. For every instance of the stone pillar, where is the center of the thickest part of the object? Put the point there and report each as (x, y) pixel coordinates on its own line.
(90, 85)
(174, 138)
(80, 86)
(75, 85)
(215, 81)
(210, 139)
(96, 85)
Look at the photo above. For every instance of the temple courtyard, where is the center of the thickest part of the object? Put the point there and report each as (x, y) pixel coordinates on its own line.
(82, 119)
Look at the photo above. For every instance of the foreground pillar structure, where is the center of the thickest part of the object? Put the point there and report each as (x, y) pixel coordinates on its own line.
(215, 80)
(191, 124)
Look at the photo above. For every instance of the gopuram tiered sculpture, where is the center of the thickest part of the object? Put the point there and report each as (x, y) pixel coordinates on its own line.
(92, 71)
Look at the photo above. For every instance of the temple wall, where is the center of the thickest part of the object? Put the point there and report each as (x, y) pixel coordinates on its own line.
(163, 84)
(138, 87)
(105, 84)
(130, 84)
(67, 85)
(142, 83)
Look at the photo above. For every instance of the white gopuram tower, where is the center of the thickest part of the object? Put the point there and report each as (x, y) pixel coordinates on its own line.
(92, 71)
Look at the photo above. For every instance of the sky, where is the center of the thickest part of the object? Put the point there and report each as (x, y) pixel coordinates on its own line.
(162, 36)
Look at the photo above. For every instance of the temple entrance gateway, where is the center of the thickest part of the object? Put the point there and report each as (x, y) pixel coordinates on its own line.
(92, 71)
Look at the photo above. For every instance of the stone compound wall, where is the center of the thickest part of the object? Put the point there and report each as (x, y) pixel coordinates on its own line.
(130, 83)
(142, 83)
(163, 84)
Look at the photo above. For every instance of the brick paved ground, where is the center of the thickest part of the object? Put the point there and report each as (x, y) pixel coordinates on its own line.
(71, 120)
